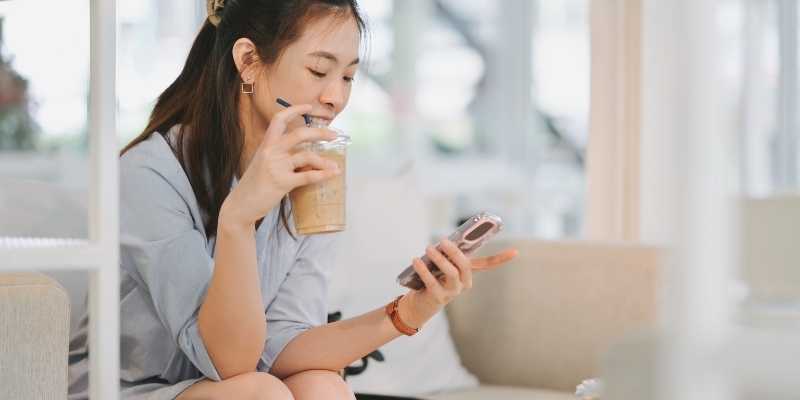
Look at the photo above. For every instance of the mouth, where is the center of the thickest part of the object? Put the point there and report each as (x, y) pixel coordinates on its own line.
(322, 120)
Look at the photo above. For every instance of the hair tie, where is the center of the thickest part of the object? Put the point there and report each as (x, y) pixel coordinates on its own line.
(214, 9)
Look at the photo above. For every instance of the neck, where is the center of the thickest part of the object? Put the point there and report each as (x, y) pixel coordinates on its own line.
(253, 129)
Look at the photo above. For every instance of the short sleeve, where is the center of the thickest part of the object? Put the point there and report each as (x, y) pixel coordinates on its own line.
(162, 249)
(301, 301)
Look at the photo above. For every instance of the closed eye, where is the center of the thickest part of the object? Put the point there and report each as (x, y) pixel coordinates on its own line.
(348, 79)
(317, 73)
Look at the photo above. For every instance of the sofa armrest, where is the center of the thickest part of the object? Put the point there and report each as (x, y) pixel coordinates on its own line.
(545, 319)
(34, 337)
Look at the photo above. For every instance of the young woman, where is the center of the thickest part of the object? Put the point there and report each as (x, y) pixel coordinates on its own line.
(219, 298)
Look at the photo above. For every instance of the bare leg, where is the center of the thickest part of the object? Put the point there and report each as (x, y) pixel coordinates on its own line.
(250, 386)
(318, 385)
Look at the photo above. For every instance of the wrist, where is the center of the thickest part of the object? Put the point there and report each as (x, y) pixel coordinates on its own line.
(414, 311)
(229, 221)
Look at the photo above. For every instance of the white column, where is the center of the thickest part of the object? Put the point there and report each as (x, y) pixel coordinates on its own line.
(612, 205)
(785, 171)
(512, 113)
(510, 130)
(686, 201)
(753, 117)
(409, 23)
(104, 204)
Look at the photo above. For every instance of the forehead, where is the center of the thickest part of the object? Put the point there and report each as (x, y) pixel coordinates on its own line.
(335, 34)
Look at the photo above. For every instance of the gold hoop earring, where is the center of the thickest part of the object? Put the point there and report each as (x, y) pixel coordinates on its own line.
(248, 88)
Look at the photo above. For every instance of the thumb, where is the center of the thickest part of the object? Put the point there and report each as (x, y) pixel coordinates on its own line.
(495, 261)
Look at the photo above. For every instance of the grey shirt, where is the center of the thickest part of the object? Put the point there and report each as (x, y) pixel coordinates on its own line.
(166, 265)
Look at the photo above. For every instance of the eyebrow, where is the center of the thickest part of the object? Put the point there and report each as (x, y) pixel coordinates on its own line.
(330, 56)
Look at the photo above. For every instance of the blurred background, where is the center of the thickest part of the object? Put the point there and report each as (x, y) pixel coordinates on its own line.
(446, 88)
(550, 113)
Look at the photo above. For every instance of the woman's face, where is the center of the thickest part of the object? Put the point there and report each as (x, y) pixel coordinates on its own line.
(316, 69)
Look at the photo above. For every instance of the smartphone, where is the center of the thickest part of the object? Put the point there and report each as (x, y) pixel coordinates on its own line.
(471, 235)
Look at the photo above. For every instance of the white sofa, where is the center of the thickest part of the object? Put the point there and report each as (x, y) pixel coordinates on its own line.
(531, 330)
(539, 326)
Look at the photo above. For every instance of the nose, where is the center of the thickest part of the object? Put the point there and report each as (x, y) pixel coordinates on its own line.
(335, 96)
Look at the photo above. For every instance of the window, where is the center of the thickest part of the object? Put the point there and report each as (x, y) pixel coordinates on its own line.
(44, 85)
(491, 98)
(500, 95)
(44, 77)
(154, 41)
(760, 80)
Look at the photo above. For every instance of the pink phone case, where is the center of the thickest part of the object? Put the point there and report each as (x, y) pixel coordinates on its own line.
(471, 235)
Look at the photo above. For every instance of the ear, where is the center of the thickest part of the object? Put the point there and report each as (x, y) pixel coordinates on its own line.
(245, 57)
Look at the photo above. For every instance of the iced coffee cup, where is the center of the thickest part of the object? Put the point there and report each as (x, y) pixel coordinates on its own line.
(320, 207)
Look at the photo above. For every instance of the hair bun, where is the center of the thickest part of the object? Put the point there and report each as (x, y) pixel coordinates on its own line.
(214, 9)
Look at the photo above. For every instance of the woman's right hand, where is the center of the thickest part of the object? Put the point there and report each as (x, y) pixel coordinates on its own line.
(277, 168)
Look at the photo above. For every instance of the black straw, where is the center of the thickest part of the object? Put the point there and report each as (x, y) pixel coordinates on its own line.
(286, 104)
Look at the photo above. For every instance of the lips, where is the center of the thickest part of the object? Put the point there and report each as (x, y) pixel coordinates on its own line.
(321, 119)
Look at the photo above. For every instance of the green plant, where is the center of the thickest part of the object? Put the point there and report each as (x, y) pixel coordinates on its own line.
(18, 129)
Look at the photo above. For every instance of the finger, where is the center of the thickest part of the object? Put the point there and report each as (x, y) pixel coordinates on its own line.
(309, 159)
(280, 121)
(461, 261)
(453, 278)
(491, 262)
(431, 283)
(301, 135)
(313, 176)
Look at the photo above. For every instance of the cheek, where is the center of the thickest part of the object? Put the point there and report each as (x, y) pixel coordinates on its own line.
(298, 85)
(264, 107)
(347, 91)
(299, 78)
(265, 98)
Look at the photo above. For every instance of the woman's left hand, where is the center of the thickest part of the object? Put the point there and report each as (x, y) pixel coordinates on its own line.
(418, 306)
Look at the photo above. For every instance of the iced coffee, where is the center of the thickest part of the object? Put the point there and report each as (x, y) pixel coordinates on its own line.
(320, 207)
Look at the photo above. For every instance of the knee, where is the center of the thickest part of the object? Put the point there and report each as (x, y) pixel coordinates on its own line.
(261, 386)
(318, 384)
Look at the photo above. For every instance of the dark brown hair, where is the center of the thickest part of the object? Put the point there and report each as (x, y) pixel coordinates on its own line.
(204, 99)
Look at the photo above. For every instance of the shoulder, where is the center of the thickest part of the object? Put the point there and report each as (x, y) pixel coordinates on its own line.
(153, 159)
(153, 153)
(151, 177)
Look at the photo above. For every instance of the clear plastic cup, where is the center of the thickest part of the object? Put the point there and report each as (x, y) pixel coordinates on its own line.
(320, 208)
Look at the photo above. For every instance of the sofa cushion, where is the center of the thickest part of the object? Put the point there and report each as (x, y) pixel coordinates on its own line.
(33, 337)
(545, 319)
(485, 392)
